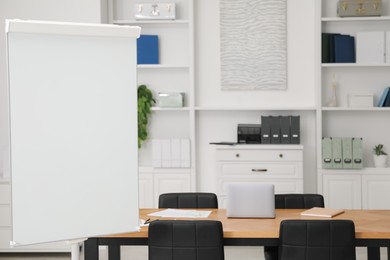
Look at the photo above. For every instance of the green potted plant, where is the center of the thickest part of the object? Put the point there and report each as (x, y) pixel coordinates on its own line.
(380, 156)
(145, 102)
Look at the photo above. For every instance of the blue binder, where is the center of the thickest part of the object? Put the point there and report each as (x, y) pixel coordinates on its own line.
(344, 49)
(382, 100)
(147, 49)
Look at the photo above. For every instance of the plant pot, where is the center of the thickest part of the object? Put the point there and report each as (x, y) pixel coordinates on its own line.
(380, 161)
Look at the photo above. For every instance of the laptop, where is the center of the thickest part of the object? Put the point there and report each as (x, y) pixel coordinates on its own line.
(250, 200)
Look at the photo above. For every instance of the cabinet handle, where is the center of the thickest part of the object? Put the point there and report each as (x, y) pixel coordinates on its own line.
(259, 170)
(237, 155)
(281, 155)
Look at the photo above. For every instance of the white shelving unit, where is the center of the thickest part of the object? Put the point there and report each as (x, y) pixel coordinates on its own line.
(174, 73)
(367, 187)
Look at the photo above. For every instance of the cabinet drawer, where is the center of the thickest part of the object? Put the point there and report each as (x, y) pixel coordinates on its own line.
(260, 170)
(5, 216)
(281, 187)
(260, 155)
(5, 193)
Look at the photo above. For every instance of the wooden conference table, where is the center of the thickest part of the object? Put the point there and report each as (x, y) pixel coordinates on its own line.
(372, 231)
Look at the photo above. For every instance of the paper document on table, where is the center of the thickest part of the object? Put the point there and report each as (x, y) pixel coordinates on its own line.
(181, 213)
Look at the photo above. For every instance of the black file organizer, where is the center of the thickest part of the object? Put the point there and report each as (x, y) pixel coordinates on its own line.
(280, 130)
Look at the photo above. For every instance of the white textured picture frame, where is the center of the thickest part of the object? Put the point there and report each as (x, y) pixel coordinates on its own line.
(253, 40)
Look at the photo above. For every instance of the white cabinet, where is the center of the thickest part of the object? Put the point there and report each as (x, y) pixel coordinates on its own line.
(174, 73)
(376, 190)
(352, 189)
(154, 182)
(342, 191)
(367, 188)
(281, 165)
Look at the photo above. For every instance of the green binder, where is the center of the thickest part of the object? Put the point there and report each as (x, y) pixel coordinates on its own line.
(337, 153)
(347, 153)
(357, 153)
(327, 153)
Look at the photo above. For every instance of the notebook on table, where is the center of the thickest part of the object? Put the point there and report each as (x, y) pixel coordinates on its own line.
(250, 200)
(322, 212)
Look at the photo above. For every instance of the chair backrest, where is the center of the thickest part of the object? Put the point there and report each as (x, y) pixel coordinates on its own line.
(188, 200)
(186, 239)
(317, 239)
(298, 201)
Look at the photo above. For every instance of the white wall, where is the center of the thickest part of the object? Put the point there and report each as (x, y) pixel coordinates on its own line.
(215, 126)
(90, 11)
(301, 66)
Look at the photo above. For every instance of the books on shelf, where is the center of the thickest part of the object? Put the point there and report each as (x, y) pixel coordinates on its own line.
(338, 48)
(370, 47)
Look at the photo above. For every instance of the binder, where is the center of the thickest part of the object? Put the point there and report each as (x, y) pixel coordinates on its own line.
(384, 96)
(344, 49)
(175, 153)
(147, 49)
(357, 153)
(295, 129)
(265, 130)
(387, 100)
(327, 153)
(347, 153)
(166, 161)
(275, 129)
(337, 156)
(387, 47)
(285, 130)
(370, 47)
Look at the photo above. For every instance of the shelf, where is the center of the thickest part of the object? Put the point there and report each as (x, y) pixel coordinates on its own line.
(365, 170)
(353, 109)
(170, 109)
(137, 22)
(354, 65)
(150, 169)
(254, 108)
(355, 19)
(161, 66)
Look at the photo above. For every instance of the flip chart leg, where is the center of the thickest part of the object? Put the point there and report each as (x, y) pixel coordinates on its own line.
(75, 251)
(373, 253)
(91, 249)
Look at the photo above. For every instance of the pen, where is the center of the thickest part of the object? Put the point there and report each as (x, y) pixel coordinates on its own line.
(150, 221)
(146, 221)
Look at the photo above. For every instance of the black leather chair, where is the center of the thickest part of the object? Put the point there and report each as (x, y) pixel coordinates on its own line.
(188, 200)
(317, 240)
(298, 201)
(186, 239)
(292, 201)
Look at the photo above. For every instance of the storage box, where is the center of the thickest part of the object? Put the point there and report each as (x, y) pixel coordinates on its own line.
(360, 100)
(347, 8)
(170, 99)
(155, 11)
